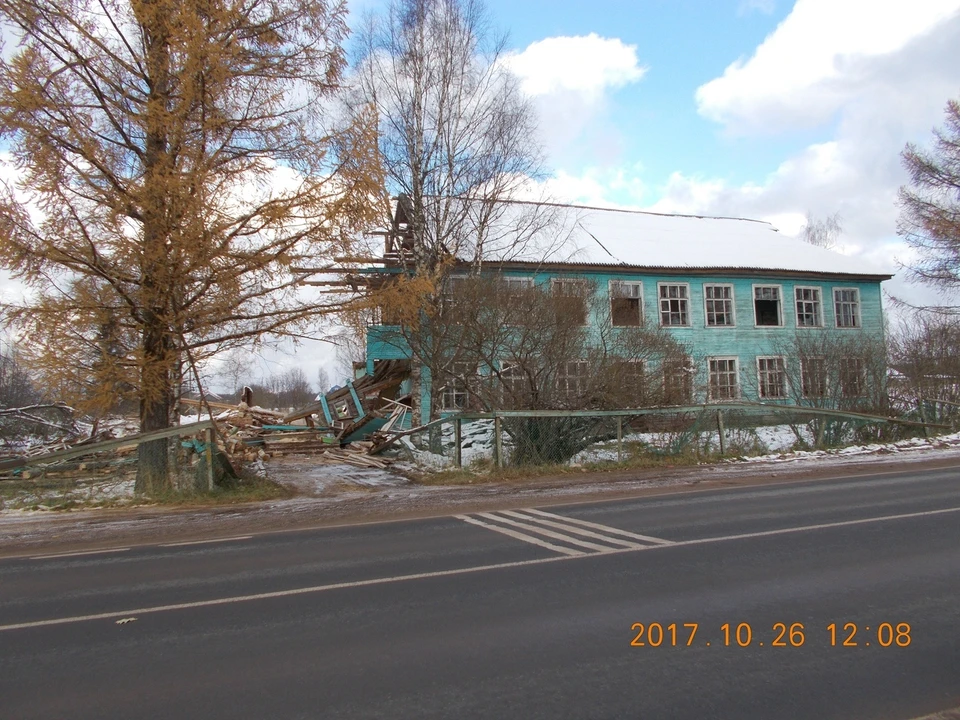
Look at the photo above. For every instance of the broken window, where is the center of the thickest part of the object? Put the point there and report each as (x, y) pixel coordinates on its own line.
(772, 378)
(455, 394)
(674, 304)
(847, 305)
(766, 303)
(723, 379)
(853, 377)
(515, 383)
(631, 377)
(572, 378)
(626, 309)
(813, 377)
(718, 302)
(516, 285)
(677, 382)
(808, 307)
(571, 294)
(450, 289)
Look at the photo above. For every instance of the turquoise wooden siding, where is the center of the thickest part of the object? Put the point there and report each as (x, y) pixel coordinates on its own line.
(745, 340)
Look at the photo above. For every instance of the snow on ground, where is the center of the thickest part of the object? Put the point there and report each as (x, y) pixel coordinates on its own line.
(312, 479)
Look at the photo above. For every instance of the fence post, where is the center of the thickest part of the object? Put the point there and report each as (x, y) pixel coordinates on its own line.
(723, 442)
(619, 439)
(209, 438)
(923, 418)
(497, 443)
(457, 435)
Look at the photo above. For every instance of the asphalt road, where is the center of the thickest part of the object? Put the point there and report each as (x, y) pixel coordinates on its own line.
(526, 614)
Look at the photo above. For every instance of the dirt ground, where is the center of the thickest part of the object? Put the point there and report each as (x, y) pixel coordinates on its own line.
(340, 495)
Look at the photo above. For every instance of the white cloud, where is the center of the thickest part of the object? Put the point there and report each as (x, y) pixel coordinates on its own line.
(815, 60)
(588, 65)
(570, 81)
(762, 6)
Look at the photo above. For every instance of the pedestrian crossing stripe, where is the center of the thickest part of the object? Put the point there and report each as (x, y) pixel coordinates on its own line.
(567, 536)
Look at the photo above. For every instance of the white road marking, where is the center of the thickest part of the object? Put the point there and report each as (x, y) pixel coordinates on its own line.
(79, 554)
(459, 571)
(520, 536)
(543, 531)
(604, 528)
(207, 542)
(565, 530)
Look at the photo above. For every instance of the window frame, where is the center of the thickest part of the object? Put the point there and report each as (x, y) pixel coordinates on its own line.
(857, 319)
(557, 282)
(682, 369)
(515, 382)
(711, 396)
(581, 378)
(843, 375)
(732, 300)
(797, 301)
(805, 377)
(685, 299)
(525, 281)
(637, 377)
(763, 377)
(753, 301)
(611, 284)
(458, 386)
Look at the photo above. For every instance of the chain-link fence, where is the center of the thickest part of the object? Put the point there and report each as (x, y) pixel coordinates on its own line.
(620, 436)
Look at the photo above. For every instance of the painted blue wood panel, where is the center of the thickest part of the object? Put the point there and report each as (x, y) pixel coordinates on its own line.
(745, 340)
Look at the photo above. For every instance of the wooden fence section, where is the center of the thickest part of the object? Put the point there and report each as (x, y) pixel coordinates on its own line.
(80, 450)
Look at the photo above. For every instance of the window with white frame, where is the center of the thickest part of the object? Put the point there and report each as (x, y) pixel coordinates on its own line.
(846, 303)
(853, 377)
(813, 377)
(572, 377)
(674, 304)
(677, 381)
(766, 305)
(772, 378)
(631, 380)
(514, 381)
(572, 294)
(809, 307)
(514, 285)
(455, 394)
(450, 289)
(626, 305)
(723, 379)
(718, 305)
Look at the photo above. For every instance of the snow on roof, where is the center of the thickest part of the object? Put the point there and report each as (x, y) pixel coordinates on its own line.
(552, 233)
(644, 239)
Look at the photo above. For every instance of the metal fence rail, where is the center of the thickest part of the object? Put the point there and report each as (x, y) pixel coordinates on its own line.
(545, 436)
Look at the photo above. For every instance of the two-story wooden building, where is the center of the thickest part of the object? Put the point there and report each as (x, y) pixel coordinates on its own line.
(735, 292)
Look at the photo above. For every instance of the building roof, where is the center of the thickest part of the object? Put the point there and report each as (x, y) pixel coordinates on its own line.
(581, 236)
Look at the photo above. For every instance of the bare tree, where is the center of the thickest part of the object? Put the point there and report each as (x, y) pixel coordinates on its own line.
(453, 125)
(495, 345)
(823, 232)
(178, 155)
(930, 205)
(925, 356)
(833, 372)
(323, 380)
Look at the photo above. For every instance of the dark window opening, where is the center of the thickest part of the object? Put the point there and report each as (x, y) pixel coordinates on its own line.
(766, 304)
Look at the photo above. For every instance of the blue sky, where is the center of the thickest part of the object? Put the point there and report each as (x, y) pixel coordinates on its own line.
(769, 109)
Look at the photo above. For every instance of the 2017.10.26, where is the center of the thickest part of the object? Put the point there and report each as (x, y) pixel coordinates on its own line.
(781, 634)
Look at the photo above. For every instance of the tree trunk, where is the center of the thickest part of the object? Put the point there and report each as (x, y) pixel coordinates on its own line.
(153, 467)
